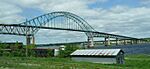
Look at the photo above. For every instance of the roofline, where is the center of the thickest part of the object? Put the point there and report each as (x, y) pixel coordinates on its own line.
(93, 55)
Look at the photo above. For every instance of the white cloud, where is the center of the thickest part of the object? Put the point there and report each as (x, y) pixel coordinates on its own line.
(125, 20)
(119, 19)
(9, 13)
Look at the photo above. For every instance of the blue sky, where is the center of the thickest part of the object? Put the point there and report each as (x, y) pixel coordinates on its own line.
(110, 3)
(122, 17)
(33, 12)
(29, 13)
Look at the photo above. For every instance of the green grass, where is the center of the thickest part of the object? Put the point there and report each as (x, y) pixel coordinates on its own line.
(131, 62)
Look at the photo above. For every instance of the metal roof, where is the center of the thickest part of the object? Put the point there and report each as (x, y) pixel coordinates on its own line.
(96, 52)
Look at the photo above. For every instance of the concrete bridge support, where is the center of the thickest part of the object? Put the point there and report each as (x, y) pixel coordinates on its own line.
(107, 41)
(90, 42)
(135, 41)
(124, 42)
(28, 40)
(117, 41)
(131, 41)
(138, 41)
(33, 39)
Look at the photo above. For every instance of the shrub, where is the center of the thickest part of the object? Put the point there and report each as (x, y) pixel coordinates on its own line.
(49, 53)
(68, 50)
(31, 52)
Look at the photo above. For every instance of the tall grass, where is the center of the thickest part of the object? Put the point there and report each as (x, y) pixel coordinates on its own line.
(131, 62)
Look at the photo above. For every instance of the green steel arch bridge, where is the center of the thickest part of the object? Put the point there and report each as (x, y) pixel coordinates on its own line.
(59, 21)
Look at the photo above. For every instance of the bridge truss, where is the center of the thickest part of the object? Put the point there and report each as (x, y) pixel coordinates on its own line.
(57, 21)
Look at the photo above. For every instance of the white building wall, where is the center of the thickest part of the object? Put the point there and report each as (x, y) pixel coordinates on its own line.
(56, 52)
(110, 60)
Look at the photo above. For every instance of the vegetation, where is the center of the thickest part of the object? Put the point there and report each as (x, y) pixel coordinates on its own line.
(132, 62)
(16, 60)
(147, 39)
(31, 52)
(14, 50)
(68, 50)
(17, 50)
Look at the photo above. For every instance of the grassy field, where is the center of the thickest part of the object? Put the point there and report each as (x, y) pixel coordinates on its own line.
(131, 62)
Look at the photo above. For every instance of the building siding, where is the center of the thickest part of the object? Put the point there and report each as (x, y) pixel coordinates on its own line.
(105, 56)
(96, 60)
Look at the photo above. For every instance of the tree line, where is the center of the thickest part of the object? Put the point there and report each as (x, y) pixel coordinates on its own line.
(19, 50)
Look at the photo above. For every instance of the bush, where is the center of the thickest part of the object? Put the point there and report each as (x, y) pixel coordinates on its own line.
(31, 52)
(49, 53)
(15, 50)
(68, 50)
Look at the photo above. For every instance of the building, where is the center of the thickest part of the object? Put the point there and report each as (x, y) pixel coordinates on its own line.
(105, 56)
(45, 51)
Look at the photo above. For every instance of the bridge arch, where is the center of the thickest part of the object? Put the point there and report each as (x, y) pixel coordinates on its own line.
(77, 23)
(30, 27)
(42, 20)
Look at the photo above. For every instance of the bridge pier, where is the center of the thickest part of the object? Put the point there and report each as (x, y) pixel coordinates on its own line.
(124, 42)
(117, 41)
(107, 41)
(33, 39)
(138, 41)
(28, 42)
(132, 41)
(29, 38)
(135, 41)
(90, 42)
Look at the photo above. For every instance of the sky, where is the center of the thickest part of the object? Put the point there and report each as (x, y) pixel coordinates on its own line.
(121, 17)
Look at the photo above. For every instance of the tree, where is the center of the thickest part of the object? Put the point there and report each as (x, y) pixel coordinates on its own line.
(49, 53)
(1, 49)
(68, 50)
(17, 50)
(31, 51)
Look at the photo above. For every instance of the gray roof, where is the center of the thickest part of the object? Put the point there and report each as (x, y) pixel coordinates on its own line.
(96, 52)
